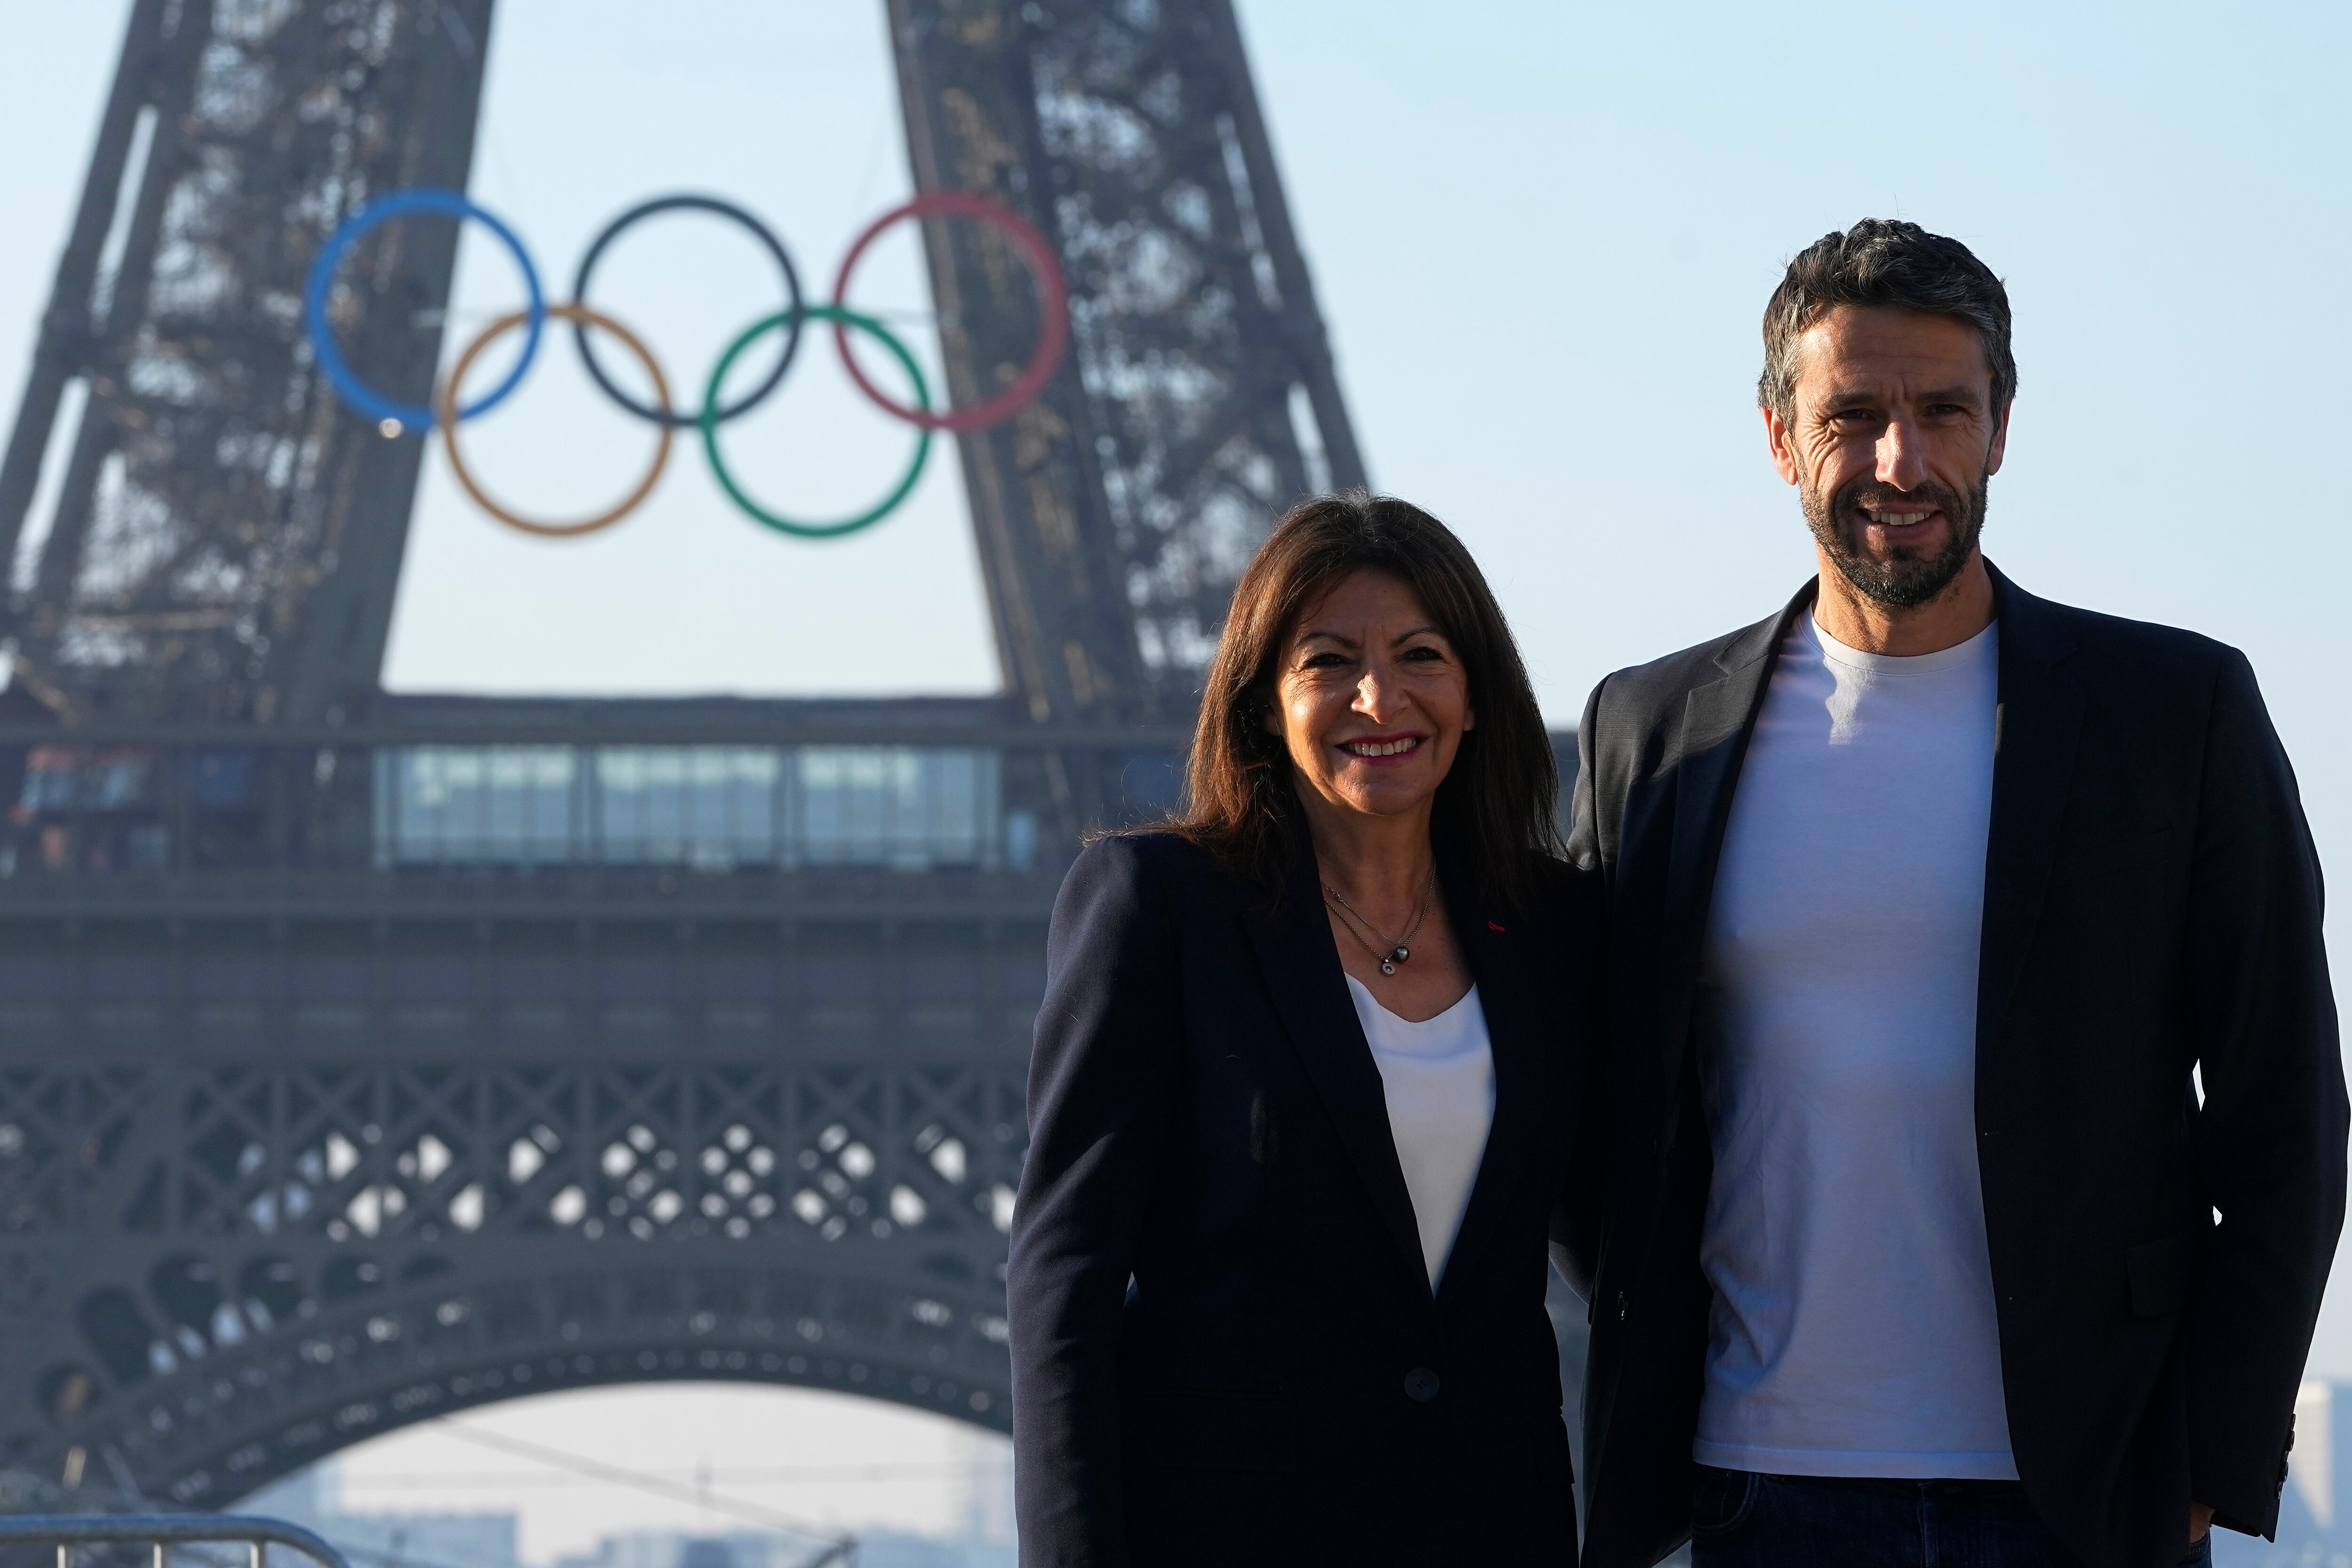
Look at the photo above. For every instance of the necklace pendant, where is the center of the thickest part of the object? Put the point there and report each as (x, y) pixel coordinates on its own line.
(1387, 967)
(1401, 953)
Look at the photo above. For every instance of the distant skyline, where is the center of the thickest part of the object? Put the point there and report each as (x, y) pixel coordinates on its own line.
(1542, 236)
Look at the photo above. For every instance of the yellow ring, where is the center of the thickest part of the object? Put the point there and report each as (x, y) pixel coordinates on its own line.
(446, 404)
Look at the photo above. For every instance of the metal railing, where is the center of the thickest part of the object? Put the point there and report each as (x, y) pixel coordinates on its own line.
(162, 1531)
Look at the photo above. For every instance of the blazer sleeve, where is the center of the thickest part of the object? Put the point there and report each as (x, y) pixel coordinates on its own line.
(1585, 850)
(1576, 1218)
(1102, 1079)
(2271, 1136)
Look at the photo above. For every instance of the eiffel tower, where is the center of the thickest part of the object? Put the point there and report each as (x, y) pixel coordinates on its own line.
(365, 1056)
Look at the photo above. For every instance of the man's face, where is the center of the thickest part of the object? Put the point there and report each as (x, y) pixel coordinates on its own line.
(1893, 436)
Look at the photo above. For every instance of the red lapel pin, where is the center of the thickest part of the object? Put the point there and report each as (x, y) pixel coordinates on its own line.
(1492, 926)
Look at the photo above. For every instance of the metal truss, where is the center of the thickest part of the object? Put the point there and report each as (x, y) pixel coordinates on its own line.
(301, 1140)
(227, 538)
(210, 1277)
(1115, 514)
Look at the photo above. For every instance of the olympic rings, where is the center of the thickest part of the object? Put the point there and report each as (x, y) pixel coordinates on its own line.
(1054, 309)
(395, 415)
(447, 411)
(760, 232)
(842, 320)
(582, 317)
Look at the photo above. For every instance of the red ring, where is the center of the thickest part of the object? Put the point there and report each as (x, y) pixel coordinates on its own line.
(1055, 307)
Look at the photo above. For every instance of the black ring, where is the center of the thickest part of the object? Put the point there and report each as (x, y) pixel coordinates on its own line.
(758, 394)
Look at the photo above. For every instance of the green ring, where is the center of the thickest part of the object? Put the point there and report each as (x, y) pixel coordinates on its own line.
(709, 424)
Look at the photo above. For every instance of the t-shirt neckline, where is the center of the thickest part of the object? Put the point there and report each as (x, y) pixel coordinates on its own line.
(1977, 647)
(1434, 1018)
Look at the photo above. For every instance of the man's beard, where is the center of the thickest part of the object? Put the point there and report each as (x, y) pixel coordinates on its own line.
(1908, 579)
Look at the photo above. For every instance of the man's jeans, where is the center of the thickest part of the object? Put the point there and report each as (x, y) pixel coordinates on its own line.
(1744, 1521)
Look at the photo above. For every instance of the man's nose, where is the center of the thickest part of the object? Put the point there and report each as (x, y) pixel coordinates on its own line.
(1901, 456)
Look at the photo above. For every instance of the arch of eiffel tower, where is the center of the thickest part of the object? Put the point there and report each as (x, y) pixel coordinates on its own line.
(365, 1057)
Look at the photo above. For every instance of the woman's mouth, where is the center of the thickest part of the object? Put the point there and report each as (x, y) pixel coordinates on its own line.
(1376, 747)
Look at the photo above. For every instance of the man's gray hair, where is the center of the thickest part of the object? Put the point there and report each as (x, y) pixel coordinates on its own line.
(1883, 261)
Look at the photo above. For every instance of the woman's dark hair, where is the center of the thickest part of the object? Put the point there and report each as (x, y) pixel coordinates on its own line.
(1498, 800)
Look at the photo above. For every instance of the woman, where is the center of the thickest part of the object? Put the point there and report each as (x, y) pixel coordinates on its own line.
(1300, 1101)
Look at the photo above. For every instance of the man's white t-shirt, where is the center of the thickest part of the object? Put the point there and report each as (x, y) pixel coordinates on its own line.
(1854, 1331)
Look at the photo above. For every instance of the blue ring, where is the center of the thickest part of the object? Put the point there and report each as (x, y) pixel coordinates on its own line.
(412, 418)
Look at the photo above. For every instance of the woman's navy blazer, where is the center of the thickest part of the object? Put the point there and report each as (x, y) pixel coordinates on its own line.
(1225, 1349)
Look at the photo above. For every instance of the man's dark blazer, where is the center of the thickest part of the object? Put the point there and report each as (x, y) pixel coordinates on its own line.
(2152, 905)
(1225, 1349)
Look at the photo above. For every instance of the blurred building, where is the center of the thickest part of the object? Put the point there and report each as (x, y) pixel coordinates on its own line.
(755, 1549)
(310, 1497)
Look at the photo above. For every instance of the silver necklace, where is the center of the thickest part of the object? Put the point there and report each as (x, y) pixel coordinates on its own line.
(1397, 951)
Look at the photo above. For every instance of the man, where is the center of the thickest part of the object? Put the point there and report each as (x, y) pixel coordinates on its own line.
(1930, 903)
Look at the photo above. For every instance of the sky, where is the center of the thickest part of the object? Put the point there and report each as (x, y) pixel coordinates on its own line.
(1542, 236)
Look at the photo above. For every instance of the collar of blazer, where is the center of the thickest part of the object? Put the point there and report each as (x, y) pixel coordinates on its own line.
(2036, 726)
(2035, 733)
(1300, 962)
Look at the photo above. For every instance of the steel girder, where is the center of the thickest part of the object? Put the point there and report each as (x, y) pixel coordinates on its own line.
(1115, 514)
(253, 1208)
(227, 537)
(211, 1276)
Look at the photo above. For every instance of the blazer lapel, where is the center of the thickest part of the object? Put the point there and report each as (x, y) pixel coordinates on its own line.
(2038, 724)
(1301, 965)
(1517, 1034)
(1716, 720)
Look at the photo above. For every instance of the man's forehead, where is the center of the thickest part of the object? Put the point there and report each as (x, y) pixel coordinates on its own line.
(1872, 345)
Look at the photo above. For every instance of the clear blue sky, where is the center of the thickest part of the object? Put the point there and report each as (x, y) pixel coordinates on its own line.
(1542, 234)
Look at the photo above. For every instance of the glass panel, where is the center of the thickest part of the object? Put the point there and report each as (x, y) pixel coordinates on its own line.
(507, 804)
(902, 807)
(710, 807)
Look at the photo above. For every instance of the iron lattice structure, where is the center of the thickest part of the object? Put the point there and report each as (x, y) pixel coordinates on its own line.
(365, 1056)
(1116, 514)
(225, 537)
(306, 1258)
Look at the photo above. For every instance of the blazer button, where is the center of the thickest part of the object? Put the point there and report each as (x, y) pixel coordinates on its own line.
(1420, 1385)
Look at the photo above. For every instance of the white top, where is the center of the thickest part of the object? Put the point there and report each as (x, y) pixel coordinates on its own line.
(1854, 1331)
(1439, 1078)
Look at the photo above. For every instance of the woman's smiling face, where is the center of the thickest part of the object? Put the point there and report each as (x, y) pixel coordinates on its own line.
(1371, 699)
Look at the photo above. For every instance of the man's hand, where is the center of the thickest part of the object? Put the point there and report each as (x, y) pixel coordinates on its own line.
(2200, 1522)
